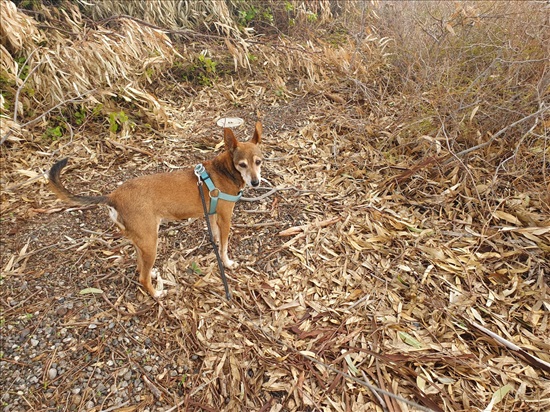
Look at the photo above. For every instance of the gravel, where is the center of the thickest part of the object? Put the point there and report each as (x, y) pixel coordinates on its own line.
(79, 353)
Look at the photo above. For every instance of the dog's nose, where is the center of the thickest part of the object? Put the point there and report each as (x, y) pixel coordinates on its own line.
(255, 183)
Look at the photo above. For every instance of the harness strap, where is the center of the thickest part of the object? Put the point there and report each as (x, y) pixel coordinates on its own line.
(214, 192)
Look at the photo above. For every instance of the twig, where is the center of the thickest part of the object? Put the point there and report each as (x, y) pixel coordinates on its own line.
(495, 176)
(120, 312)
(16, 103)
(289, 348)
(5, 137)
(73, 100)
(26, 182)
(376, 395)
(114, 407)
(156, 391)
(256, 225)
(135, 149)
(531, 359)
(498, 134)
(271, 191)
(304, 228)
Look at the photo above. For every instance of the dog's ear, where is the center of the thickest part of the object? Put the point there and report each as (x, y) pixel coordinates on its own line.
(257, 138)
(229, 139)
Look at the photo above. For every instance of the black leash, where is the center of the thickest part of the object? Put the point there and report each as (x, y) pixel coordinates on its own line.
(214, 245)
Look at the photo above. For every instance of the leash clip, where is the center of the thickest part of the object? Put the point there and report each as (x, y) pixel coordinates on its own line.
(199, 170)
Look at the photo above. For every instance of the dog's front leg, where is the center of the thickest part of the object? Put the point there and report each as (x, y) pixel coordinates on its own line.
(215, 229)
(224, 226)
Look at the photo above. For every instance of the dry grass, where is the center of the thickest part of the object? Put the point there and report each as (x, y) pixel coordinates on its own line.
(68, 65)
(418, 222)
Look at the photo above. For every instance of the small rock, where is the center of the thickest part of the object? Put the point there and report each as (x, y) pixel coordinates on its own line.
(52, 373)
(24, 333)
(101, 388)
(128, 376)
(61, 311)
(76, 399)
(34, 342)
(90, 404)
(92, 326)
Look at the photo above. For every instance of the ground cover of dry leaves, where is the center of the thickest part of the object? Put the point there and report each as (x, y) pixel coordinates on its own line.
(379, 281)
(381, 275)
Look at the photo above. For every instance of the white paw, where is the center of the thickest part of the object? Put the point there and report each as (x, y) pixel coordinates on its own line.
(159, 290)
(230, 264)
(159, 294)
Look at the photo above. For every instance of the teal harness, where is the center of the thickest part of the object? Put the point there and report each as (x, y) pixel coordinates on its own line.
(203, 176)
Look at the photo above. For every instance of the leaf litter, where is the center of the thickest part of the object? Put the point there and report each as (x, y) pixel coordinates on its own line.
(380, 281)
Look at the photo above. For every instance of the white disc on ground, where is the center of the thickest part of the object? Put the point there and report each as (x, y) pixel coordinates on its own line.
(230, 122)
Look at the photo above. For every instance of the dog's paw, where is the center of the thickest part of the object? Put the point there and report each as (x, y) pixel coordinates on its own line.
(154, 273)
(159, 294)
(230, 264)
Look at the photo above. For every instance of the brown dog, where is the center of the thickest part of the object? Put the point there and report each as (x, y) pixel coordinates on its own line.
(139, 205)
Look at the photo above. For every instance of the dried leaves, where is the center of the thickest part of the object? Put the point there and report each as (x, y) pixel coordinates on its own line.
(88, 64)
(392, 274)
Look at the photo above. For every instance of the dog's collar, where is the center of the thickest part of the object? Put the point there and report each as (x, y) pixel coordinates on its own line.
(203, 175)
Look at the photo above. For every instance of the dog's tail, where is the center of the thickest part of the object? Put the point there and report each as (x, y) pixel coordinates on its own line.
(61, 192)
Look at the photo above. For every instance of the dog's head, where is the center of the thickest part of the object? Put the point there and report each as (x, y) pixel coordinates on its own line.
(247, 156)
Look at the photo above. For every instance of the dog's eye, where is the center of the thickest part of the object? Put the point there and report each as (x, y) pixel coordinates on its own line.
(243, 165)
(258, 162)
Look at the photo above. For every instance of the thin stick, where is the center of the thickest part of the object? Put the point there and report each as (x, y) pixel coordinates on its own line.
(271, 191)
(156, 391)
(498, 134)
(304, 228)
(531, 359)
(22, 84)
(135, 149)
(114, 407)
(73, 100)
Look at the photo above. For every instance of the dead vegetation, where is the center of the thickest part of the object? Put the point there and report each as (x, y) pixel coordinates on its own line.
(402, 265)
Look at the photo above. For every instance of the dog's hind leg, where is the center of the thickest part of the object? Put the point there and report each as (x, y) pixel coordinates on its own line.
(146, 248)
